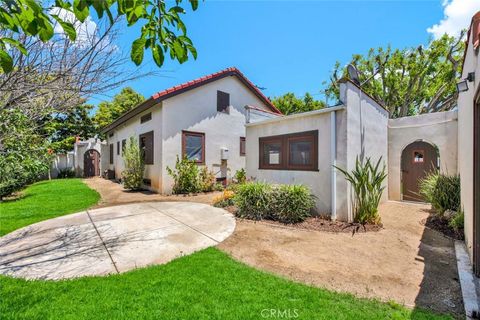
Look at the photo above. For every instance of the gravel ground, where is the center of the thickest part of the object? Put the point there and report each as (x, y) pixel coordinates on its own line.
(405, 261)
(113, 193)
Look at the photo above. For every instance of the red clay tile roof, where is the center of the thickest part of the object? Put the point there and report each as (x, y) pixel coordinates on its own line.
(178, 89)
(167, 93)
(475, 29)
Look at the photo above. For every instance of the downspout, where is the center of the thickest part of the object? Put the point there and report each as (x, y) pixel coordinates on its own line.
(333, 162)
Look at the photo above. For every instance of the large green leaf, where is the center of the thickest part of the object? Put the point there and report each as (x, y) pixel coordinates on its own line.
(138, 47)
(45, 29)
(158, 56)
(6, 62)
(15, 43)
(67, 27)
(80, 9)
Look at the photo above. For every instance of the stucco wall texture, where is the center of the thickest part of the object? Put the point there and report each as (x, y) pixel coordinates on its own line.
(194, 110)
(439, 129)
(465, 143)
(83, 146)
(361, 130)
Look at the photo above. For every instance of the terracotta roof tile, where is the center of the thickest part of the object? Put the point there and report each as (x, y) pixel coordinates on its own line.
(220, 74)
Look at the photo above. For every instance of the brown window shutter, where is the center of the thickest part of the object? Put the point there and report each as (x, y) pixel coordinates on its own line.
(111, 153)
(147, 146)
(242, 146)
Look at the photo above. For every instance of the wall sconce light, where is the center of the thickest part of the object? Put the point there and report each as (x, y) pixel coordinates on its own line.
(462, 86)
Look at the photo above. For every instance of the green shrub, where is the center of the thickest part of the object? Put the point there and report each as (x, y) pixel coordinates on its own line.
(291, 203)
(456, 223)
(240, 176)
(132, 176)
(218, 187)
(253, 200)
(366, 180)
(207, 180)
(284, 203)
(446, 194)
(427, 185)
(66, 173)
(185, 176)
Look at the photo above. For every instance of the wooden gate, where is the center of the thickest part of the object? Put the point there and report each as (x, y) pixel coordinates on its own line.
(91, 163)
(418, 159)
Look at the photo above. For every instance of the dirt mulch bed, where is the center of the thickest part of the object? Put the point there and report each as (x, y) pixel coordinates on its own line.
(441, 225)
(320, 224)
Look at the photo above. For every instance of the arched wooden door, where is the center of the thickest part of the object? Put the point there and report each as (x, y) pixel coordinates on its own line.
(418, 159)
(91, 163)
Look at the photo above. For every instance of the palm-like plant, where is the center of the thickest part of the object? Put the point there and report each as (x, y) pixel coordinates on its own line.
(366, 180)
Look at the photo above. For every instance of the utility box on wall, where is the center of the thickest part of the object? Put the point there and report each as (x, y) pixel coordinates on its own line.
(224, 154)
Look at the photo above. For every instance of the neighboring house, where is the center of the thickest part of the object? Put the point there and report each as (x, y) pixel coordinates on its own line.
(304, 148)
(469, 141)
(203, 119)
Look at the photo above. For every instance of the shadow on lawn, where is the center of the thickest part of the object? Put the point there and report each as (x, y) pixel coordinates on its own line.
(440, 288)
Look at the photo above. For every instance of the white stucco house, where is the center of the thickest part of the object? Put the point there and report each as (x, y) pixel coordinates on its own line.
(304, 148)
(203, 119)
(469, 141)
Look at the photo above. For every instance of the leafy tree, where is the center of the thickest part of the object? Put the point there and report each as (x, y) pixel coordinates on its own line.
(289, 103)
(126, 100)
(24, 156)
(408, 81)
(62, 128)
(162, 30)
(132, 176)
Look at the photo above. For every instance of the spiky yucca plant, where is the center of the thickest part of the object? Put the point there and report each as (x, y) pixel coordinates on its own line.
(366, 180)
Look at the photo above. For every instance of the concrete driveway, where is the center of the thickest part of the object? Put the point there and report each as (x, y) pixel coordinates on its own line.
(112, 240)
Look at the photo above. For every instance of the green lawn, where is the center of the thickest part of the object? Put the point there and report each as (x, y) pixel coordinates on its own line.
(45, 200)
(205, 285)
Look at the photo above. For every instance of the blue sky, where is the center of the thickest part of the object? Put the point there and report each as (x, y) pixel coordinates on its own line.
(287, 46)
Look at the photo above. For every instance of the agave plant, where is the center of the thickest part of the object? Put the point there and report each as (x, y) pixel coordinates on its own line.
(366, 180)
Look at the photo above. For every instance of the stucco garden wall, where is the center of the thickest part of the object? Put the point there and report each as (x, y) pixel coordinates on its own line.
(62, 162)
(438, 129)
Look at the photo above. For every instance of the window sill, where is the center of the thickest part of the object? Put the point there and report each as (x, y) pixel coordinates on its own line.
(290, 169)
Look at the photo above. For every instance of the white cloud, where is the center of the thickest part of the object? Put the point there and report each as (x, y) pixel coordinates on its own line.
(85, 30)
(457, 16)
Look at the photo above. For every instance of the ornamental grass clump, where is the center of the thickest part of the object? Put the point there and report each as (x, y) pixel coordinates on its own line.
(292, 203)
(366, 180)
(446, 194)
(132, 176)
(253, 200)
(427, 185)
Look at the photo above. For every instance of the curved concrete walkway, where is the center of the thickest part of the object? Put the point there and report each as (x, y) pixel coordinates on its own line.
(112, 240)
